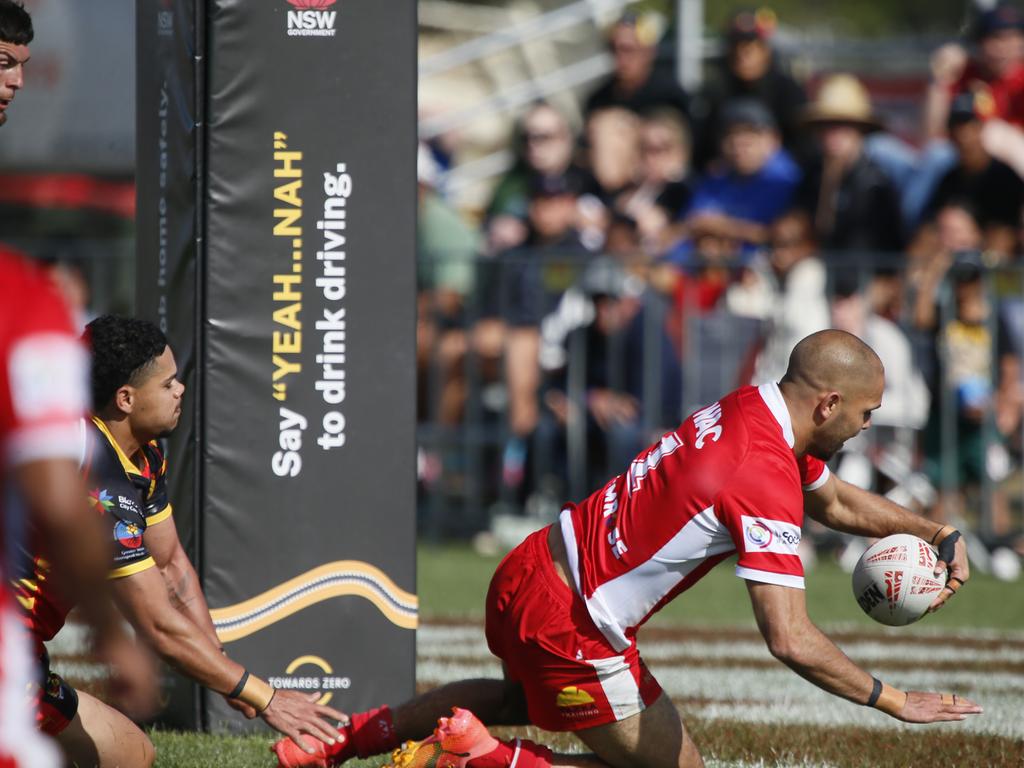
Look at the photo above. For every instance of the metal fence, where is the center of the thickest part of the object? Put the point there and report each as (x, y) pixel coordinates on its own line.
(543, 373)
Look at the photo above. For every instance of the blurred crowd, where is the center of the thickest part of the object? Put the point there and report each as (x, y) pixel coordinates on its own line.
(573, 314)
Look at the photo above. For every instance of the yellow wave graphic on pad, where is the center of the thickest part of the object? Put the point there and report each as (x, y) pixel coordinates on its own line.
(337, 579)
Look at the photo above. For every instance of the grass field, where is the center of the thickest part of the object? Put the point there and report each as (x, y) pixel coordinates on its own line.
(742, 707)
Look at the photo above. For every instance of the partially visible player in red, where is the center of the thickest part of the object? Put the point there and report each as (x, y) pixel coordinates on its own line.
(15, 35)
(137, 398)
(43, 395)
(563, 609)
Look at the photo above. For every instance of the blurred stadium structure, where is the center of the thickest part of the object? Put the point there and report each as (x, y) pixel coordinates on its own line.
(482, 66)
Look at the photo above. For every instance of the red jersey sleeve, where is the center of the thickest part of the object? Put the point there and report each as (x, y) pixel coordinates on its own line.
(814, 473)
(765, 520)
(43, 378)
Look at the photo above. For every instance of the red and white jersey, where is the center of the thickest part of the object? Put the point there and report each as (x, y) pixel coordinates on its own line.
(43, 372)
(725, 481)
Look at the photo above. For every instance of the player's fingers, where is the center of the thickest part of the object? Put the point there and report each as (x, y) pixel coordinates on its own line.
(961, 705)
(295, 736)
(320, 729)
(940, 567)
(953, 584)
(332, 713)
(940, 600)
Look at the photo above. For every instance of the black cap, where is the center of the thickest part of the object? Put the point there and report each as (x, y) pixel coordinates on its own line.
(970, 106)
(968, 267)
(749, 112)
(999, 19)
(748, 24)
(962, 109)
(567, 183)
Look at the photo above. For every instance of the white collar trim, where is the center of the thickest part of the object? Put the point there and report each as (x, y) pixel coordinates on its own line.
(772, 396)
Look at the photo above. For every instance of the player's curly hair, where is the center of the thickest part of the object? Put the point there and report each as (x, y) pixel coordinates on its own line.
(123, 349)
(15, 23)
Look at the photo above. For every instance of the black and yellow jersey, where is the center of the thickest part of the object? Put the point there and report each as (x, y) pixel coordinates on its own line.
(132, 497)
(128, 497)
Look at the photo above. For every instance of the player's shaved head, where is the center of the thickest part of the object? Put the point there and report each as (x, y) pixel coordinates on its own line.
(833, 383)
(833, 360)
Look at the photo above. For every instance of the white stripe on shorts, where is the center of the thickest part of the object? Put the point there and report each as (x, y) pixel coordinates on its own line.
(619, 686)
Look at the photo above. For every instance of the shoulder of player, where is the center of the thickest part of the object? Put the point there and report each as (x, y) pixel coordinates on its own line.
(765, 451)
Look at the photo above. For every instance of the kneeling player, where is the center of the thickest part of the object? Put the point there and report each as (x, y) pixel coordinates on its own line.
(137, 398)
(564, 607)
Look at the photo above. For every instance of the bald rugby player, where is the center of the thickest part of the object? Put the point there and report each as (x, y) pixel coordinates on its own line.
(563, 609)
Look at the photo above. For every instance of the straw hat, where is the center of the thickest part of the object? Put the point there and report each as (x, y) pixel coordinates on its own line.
(843, 99)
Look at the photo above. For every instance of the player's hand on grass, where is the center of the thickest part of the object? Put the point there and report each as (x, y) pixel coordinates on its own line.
(955, 562)
(294, 713)
(925, 707)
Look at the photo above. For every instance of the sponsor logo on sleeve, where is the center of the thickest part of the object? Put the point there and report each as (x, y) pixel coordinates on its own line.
(764, 535)
(129, 535)
(101, 500)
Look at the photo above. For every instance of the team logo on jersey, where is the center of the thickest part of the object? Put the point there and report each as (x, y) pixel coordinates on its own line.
(128, 534)
(100, 500)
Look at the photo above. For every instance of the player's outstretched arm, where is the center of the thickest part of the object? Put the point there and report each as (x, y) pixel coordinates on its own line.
(183, 586)
(792, 638)
(844, 507)
(143, 599)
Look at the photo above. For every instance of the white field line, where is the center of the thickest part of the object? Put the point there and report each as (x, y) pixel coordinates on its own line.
(917, 633)
(463, 645)
(778, 695)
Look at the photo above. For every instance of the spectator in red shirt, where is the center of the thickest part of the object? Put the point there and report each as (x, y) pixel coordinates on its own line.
(994, 74)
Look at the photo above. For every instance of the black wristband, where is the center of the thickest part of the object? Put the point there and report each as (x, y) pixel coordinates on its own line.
(947, 547)
(237, 691)
(876, 691)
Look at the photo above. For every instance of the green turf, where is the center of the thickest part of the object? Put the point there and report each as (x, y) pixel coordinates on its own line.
(453, 582)
(201, 750)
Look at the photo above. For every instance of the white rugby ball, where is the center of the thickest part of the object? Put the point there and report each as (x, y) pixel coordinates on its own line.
(894, 581)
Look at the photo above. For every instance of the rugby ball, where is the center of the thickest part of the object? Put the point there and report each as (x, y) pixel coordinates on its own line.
(894, 581)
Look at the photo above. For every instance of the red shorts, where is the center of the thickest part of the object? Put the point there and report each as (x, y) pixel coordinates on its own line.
(21, 745)
(541, 630)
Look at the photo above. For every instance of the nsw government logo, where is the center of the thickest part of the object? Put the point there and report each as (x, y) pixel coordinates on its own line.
(311, 18)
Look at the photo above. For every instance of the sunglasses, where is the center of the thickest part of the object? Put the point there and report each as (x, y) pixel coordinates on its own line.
(541, 137)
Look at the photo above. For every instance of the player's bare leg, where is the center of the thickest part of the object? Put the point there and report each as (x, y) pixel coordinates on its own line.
(494, 702)
(655, 738)
(101, 737)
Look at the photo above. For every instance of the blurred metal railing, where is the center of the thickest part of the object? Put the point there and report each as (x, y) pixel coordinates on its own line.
(600, 327)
